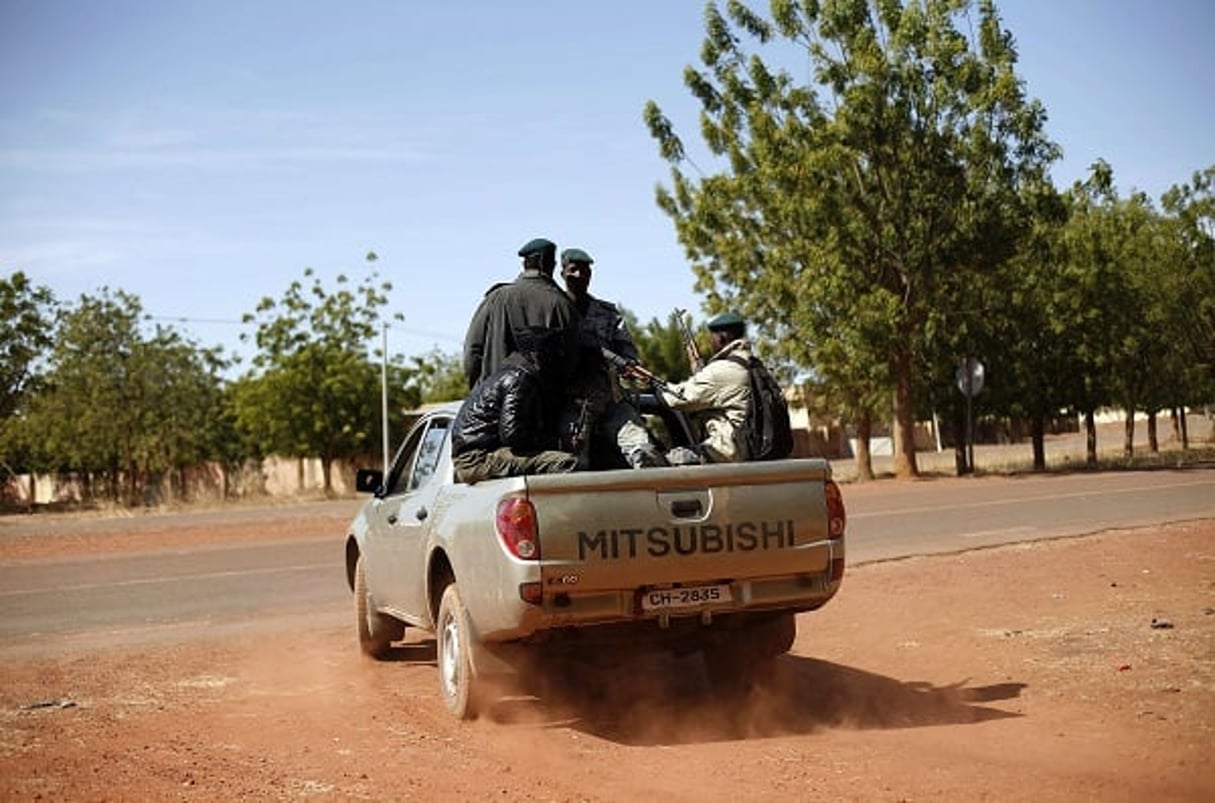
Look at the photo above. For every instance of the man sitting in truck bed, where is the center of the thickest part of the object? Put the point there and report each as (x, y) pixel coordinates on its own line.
(501, 430)
(718, 395)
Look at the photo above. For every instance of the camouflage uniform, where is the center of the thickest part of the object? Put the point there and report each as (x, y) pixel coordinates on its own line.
(719, 397)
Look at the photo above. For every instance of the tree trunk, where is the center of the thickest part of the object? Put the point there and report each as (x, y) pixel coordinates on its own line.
(1038, 436)
(326, 474)
(864, 458)
(1128, 438)
(1153, 441)
(1173, 415)
(1090, 439)
(299, 475)
(904, 418)
(1185, 431)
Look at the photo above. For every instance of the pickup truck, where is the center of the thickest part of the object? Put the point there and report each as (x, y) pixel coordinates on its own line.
(593, 566)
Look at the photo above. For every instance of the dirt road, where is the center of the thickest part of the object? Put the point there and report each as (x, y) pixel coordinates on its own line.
(1079, 669)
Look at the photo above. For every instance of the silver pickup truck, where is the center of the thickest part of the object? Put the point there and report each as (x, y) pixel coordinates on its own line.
(595, 565)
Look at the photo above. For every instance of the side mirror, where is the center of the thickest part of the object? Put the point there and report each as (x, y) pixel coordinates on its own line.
(368, 480)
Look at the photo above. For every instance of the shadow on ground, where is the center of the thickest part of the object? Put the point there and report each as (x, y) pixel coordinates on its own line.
(668, 701)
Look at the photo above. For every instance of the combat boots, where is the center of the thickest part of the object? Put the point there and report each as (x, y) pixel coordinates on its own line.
(646, 457)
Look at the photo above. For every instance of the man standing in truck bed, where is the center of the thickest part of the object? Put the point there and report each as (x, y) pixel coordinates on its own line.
(532, 300)
(599, 404)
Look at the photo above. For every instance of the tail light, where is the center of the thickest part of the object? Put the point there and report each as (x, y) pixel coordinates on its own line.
(836, 518)
(516, 524)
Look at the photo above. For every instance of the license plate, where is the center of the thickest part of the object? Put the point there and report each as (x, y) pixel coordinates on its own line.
(665, 599)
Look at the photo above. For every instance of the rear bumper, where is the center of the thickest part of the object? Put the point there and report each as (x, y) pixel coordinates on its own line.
(563, 613)
(613, 643)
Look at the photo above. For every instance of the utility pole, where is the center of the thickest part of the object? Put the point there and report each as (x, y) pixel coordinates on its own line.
(384, 391)
(969, 377)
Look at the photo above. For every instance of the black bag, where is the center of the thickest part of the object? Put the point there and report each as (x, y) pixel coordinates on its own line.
(766, 432)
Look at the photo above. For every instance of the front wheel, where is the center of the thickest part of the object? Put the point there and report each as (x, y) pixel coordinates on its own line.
(454, 637)
(377, 631)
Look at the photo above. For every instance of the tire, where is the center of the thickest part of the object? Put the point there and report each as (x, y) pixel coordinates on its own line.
(746, 659)
(775, 637)
(454, 637)
(377, 631)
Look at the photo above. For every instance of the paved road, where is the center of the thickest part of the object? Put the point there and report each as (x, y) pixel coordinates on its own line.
(186, 593)
(888, 519)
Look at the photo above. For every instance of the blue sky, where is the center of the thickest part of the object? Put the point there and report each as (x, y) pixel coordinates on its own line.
(200, 155)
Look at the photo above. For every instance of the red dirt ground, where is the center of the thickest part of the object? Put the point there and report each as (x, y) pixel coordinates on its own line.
(1041, 672)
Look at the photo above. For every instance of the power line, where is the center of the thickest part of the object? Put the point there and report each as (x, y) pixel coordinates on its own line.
(447, 336)
(184, 319)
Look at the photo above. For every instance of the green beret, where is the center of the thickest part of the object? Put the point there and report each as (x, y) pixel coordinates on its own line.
(726, 320)
(575, 255)
(537, 246)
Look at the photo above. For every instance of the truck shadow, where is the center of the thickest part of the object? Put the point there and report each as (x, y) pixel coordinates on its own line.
(668, 701)
(424, 651)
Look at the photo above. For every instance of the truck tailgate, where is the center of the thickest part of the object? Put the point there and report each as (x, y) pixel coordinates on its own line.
(674, 526)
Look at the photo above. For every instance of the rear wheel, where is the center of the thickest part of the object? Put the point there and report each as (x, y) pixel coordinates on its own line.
(747, 658)
(377, 631)
(454, 637)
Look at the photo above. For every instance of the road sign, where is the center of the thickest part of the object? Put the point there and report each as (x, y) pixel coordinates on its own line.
(970, 377)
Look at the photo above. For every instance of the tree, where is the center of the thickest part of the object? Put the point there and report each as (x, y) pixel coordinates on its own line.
(1191, 210)
(120, 406)
(190, 420)
(857, 214)
(1031, 331)
(661, 346)
(1100, 311)
(314, 391)
(436, 377)
(26, 321)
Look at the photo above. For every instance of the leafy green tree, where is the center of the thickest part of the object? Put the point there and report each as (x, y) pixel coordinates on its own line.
(1099, 303)
(92, 413)
(26, 324)
(868, 186)
(1031, 367)
(315, 392)
(1140, 321)
(1174, 277)
(120, 406)
(190, 422)
(437, 376)
(1191, 283)
(661, 347)
(1147, 376)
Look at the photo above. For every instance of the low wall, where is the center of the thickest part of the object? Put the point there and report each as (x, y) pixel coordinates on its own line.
(275, 477)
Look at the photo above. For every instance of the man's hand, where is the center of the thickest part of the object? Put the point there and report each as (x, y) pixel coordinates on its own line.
(632, 372)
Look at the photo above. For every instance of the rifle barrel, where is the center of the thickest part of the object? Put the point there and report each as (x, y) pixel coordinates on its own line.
(636, 367)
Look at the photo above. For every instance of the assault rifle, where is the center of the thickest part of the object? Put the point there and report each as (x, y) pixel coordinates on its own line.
(580, 429)
(695, 361)
(636, 369)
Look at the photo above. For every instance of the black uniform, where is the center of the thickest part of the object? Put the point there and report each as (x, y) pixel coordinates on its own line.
(501, 429)
(531, 300)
